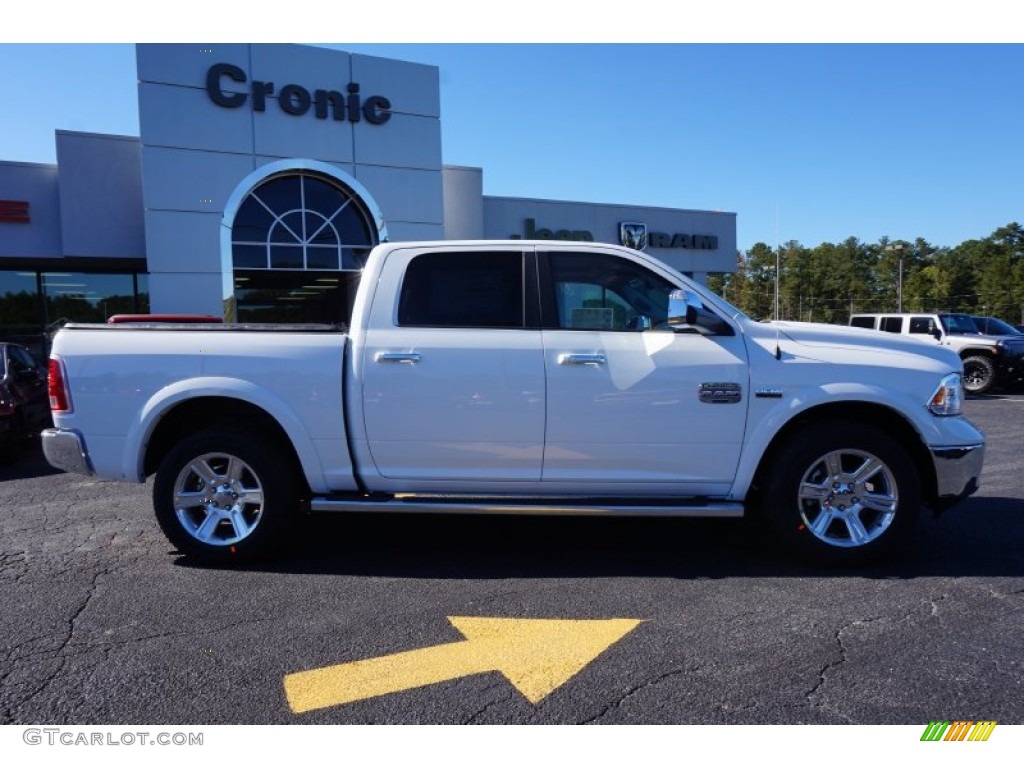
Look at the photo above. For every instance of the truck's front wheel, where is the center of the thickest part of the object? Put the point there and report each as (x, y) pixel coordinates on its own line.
(225, 497)
(841, 493)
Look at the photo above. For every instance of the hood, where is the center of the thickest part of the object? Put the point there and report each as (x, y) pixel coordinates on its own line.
(1014, 344)
(833, 342)
(985, 339)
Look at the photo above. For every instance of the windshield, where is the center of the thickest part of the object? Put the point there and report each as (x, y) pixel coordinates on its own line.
(995, 327)
(732, 311)
(959, 324)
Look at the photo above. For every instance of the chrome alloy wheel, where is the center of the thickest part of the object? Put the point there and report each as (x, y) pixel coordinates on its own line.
(218, 499)
(848, 498)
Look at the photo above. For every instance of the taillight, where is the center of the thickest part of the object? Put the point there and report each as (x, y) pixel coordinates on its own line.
(60, 397)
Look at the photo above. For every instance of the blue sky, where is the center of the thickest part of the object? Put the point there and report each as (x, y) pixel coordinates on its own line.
(807, 142)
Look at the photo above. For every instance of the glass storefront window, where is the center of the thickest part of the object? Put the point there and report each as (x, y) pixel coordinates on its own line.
(33, 305)
(20, 312)
(19, 302)
(87, 298)
(294, 297)
(142, 294)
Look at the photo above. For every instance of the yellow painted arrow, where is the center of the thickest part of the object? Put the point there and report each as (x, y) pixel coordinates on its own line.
(536, 655)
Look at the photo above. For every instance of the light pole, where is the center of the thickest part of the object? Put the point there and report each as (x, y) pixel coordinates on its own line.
(898, 249)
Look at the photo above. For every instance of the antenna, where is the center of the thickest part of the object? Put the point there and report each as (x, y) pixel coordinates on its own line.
(778, 259)
(778, 269)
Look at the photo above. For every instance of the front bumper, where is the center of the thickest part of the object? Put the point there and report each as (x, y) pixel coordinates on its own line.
(65, 449)
(957, 473)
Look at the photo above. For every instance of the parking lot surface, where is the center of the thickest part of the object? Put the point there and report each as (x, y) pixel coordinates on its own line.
(689, 621)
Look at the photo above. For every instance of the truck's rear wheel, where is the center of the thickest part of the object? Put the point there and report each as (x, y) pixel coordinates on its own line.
(979, 374)
(841, 493)
(224, 497)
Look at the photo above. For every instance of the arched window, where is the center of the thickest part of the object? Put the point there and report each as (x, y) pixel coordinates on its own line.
(302, 221)
(299, 241)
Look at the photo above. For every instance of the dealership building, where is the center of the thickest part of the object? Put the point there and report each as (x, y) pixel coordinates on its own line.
(262, 176)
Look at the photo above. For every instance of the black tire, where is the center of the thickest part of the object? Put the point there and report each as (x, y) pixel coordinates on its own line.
(815, 488)
(979, 374)
(244, 509)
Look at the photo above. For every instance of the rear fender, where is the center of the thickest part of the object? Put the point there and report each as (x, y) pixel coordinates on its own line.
(164, 400)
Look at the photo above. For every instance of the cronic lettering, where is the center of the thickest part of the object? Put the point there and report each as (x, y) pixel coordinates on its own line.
(296, 99)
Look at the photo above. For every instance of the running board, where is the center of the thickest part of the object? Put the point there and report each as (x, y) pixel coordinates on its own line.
(492, 506)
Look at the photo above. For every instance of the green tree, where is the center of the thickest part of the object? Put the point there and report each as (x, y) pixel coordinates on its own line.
(833, 280)
(756, 296)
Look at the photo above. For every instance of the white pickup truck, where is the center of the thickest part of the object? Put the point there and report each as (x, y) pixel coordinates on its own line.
(518, 377)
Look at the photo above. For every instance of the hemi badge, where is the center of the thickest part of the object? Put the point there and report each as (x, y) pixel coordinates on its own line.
(720, 392)
(769, 393)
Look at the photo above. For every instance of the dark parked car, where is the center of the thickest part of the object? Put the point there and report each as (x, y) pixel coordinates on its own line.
(24, 400)
(993, 326)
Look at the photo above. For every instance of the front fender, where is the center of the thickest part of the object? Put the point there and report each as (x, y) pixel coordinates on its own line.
(770, 417)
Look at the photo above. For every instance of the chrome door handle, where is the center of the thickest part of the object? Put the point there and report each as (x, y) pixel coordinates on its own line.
(580, 359)
(397, 357)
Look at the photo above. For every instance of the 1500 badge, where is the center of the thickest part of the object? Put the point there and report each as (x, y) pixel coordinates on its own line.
(720, 392)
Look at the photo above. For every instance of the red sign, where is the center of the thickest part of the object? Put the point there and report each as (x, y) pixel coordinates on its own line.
(14, 211)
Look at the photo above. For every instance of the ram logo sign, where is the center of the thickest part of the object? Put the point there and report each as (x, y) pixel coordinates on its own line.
(633, 235)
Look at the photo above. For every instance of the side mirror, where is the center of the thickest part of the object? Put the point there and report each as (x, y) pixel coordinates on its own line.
(937, 333)
(683, 307)
(686, 313)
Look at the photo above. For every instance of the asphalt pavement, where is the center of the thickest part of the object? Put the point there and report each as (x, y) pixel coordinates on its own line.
(101, 622)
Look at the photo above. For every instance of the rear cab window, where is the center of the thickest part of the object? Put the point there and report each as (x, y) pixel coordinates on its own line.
(464, 290)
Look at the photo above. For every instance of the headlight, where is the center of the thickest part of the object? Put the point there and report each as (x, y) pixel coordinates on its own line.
(948, 398)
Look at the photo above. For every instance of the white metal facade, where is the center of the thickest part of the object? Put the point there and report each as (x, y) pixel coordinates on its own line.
(165, 198)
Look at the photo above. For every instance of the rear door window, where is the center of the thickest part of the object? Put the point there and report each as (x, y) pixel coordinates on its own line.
(463, 290)
(891, 324)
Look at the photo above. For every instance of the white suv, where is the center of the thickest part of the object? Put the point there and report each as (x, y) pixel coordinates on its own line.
(988, 360)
